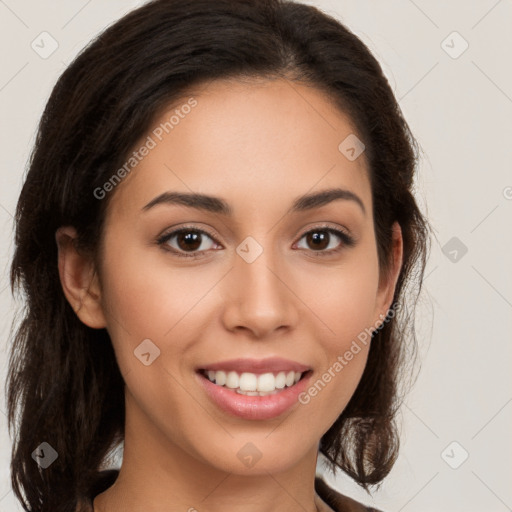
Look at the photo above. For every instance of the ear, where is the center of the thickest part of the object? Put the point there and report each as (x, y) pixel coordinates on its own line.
(387, 281)
(79, 279)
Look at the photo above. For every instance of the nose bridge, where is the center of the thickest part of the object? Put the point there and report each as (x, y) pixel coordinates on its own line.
(260, 299)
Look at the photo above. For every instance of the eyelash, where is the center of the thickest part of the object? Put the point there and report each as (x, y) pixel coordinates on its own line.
(346, 240)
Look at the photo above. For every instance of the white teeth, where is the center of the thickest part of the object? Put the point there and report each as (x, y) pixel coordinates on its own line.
(248, 393)
(248, 382)
(252, 384)
(232, 380)
(256, 393)
(280, 380)
(266, 382)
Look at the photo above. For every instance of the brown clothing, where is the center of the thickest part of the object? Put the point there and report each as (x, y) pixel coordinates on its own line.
(338, 502)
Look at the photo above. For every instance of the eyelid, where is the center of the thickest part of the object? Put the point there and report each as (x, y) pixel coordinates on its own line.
(347, 239)
(328, 227)
(170, 233)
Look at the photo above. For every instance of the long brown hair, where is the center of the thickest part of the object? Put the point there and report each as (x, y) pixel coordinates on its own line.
(65, 387)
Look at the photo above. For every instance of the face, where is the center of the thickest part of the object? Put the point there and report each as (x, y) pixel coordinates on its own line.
(246, 286)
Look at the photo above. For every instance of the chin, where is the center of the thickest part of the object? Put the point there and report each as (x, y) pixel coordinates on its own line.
(257, 454)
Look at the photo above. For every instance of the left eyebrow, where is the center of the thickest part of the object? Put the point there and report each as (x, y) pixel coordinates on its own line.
(318, 199)
(218, 205)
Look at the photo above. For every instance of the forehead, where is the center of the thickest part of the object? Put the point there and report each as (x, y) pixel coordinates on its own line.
(253, 143)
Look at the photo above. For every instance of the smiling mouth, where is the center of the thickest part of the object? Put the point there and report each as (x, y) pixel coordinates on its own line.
(252, 384)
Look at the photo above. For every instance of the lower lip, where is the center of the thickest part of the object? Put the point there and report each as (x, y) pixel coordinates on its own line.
(254, 407)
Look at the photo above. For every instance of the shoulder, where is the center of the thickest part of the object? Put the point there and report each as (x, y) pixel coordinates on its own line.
(337, 501)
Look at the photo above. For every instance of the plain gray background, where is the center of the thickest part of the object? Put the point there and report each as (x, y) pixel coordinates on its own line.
(458, 102)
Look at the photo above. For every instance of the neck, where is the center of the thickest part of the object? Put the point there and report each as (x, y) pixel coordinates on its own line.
(157, 473)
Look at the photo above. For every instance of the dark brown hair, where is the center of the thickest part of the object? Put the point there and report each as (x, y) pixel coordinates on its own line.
(65, 387)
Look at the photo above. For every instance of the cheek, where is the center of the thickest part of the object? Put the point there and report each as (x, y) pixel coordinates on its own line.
(342, 297)
(146, 295)
(344, 301)
(146, 299)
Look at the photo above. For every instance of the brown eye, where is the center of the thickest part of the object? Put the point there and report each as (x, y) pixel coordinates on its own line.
(187, 242)
(318, 240)
(326, 241)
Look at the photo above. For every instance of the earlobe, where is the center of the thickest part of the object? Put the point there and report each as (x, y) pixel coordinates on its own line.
(79, 279)
(387, 283)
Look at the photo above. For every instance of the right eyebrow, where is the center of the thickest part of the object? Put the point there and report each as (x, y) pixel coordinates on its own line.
(198, 201)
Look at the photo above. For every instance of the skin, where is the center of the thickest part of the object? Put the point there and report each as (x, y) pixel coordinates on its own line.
(258, 145)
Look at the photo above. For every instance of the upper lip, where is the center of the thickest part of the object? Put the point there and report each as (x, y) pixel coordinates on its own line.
(271, 364)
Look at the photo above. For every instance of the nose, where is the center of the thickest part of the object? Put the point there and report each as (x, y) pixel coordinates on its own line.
(259, 297)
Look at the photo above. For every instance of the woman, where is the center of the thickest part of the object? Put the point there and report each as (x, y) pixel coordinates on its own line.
(214, 237)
